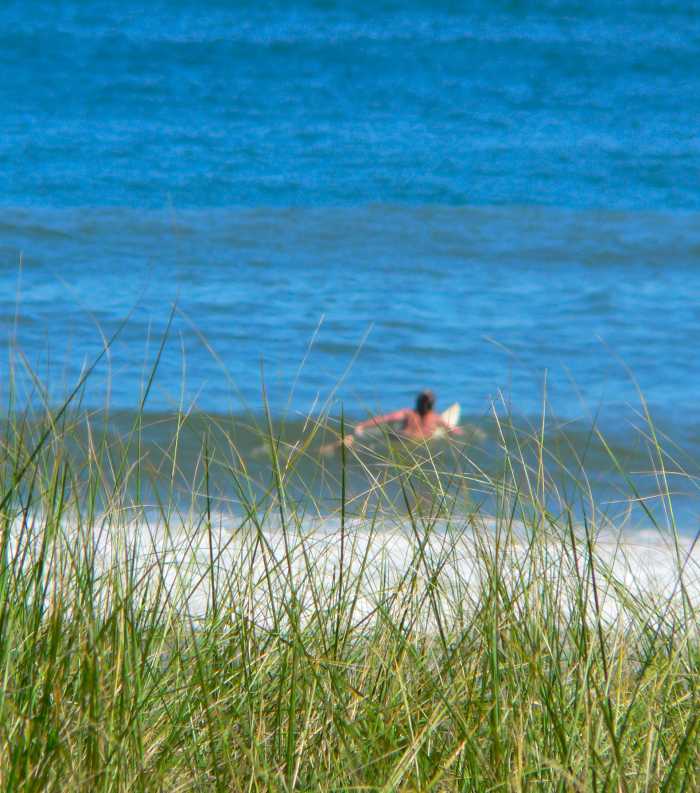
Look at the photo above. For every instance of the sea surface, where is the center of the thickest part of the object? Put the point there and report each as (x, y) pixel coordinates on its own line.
(327, 206)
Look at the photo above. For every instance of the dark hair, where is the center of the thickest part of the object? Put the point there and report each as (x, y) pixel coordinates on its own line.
(425, 402)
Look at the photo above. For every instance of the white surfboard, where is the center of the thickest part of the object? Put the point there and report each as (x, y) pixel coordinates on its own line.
(450, 417)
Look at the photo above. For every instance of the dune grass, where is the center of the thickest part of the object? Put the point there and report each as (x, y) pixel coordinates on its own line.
(417, 644)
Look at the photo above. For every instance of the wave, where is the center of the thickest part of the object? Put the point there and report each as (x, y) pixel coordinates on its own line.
(622, 476)
(540, 235)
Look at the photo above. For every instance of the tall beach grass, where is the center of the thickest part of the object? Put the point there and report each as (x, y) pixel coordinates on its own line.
(408, 638)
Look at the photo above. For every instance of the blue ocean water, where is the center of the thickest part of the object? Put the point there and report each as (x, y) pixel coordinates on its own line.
(351, 201)
(190, 104)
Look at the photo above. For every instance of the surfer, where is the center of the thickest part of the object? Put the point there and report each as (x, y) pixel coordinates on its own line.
(419, 423)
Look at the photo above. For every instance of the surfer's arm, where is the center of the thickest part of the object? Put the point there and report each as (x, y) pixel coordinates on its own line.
(388, 418)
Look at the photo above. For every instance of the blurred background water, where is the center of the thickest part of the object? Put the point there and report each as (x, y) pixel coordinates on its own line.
(496, 200)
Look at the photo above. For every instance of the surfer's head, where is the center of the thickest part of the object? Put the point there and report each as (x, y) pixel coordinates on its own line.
(425, 402)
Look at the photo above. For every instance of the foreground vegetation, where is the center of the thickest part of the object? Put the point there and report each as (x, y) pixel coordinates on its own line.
(410, 646)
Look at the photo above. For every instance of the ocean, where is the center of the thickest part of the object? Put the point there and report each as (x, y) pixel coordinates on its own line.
(329, 206)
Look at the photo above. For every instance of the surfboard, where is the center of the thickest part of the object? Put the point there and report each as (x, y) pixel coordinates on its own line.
(450, 417)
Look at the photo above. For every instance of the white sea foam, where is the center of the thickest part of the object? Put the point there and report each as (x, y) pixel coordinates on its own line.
(437, 573)
(442, 570)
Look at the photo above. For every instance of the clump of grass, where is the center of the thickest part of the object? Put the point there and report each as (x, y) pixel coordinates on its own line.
(396, 644)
